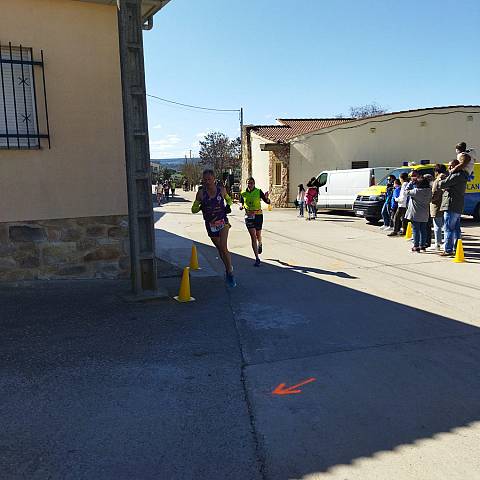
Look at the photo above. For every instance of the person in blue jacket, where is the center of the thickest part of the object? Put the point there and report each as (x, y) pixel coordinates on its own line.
(386, 210)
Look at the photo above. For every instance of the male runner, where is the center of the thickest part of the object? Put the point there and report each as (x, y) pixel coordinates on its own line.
(251, 201)
(215, 203)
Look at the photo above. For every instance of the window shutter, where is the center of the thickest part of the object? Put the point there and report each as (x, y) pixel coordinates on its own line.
(17, 100)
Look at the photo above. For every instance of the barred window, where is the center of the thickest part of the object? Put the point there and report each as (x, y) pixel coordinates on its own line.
(19, 126)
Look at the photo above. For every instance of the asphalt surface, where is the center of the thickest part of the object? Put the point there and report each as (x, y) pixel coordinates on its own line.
(97, 387)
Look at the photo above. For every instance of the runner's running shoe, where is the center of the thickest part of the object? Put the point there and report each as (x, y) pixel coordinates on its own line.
(230, 280)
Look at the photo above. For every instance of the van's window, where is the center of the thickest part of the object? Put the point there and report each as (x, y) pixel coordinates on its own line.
(396, 172)
(360, 164)
(427, 171)
(322, 179)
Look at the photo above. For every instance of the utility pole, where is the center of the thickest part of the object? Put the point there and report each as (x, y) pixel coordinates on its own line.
(241, 143)
(137, 152)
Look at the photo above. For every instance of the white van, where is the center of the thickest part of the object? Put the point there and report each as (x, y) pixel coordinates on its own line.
(337, 189)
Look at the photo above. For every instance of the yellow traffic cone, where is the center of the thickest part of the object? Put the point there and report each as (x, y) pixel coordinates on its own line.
(459, 256)
(408, 233)
(194, 259)
(184, 292)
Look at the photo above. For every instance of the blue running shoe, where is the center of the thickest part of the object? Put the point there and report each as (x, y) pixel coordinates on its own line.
(257, 263)
(230, 280)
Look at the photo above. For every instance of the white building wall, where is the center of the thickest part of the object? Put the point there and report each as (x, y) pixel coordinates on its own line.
(396, 139)
(260, 163)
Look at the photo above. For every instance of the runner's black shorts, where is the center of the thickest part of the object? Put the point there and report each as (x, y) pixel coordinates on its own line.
(254, 221)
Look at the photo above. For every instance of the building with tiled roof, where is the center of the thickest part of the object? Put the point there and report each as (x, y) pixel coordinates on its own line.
(292, 127)
(282, 156)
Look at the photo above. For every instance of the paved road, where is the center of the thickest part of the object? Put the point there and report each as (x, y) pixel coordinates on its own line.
(391, 338)
(94, 387)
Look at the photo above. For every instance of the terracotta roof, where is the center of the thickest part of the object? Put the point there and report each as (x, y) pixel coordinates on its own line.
(292, 127)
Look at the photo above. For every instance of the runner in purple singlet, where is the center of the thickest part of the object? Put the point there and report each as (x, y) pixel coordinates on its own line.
(214, 201)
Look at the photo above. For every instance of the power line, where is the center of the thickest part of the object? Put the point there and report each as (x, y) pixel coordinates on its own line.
(194, 106)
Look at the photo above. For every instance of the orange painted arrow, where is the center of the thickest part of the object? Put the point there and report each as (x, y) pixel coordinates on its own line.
(283, 390)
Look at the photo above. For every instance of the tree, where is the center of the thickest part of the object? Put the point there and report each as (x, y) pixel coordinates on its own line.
(220, 153)
(192, 172)
(370, 110)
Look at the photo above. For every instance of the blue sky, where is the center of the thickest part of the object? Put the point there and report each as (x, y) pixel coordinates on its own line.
(304, 58)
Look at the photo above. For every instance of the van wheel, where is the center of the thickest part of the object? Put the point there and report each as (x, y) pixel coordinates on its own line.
(476, 213)
(372, 220)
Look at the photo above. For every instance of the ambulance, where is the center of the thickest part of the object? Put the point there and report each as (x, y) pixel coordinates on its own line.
(369, 202)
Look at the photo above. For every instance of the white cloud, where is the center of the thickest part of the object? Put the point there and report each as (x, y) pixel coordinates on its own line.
(165, 146)
(158, 126)
(200, 134)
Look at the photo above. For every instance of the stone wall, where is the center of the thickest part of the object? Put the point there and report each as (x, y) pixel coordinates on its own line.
(279, 193)
(90, 247)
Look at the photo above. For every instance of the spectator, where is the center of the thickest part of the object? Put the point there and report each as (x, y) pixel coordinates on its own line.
(393, 202)
(310, 200)
(465, 160)
(435, 213)
(386, 209)
(173, 186)
(301, 199)
(454, 187)
(166, 190)
(418, 212)
(159, 192)
(399, 219)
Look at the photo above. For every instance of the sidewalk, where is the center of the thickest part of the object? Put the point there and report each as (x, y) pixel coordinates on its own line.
(97, 388)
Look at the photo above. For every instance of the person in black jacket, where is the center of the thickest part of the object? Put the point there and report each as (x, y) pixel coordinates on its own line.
(453, 198)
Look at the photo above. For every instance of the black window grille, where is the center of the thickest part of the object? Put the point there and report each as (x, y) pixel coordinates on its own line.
(360, 164)
(19, 115)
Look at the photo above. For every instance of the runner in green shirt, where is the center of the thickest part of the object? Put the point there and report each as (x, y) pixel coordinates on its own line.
(251, 201)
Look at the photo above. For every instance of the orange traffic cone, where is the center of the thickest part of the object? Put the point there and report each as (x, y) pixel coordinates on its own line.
(408, 233)
(184, 292)
(459, 255)
(194, 259)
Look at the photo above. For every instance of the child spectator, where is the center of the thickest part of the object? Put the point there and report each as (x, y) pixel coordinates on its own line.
(301, 199)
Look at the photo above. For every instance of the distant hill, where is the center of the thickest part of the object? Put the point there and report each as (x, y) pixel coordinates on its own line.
(172, 162)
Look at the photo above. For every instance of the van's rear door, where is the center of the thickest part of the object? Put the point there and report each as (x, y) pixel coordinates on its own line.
(323, 187)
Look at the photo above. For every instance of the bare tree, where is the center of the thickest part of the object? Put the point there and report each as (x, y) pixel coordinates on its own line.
(192, 171)
(220, 153)
(370, 110)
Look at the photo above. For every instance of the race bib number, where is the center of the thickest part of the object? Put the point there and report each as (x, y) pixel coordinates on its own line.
(217, 225)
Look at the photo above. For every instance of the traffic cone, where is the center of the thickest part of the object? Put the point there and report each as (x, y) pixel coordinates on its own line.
(184, 292)
(408, 233)
(459, 256)
(194, 259)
